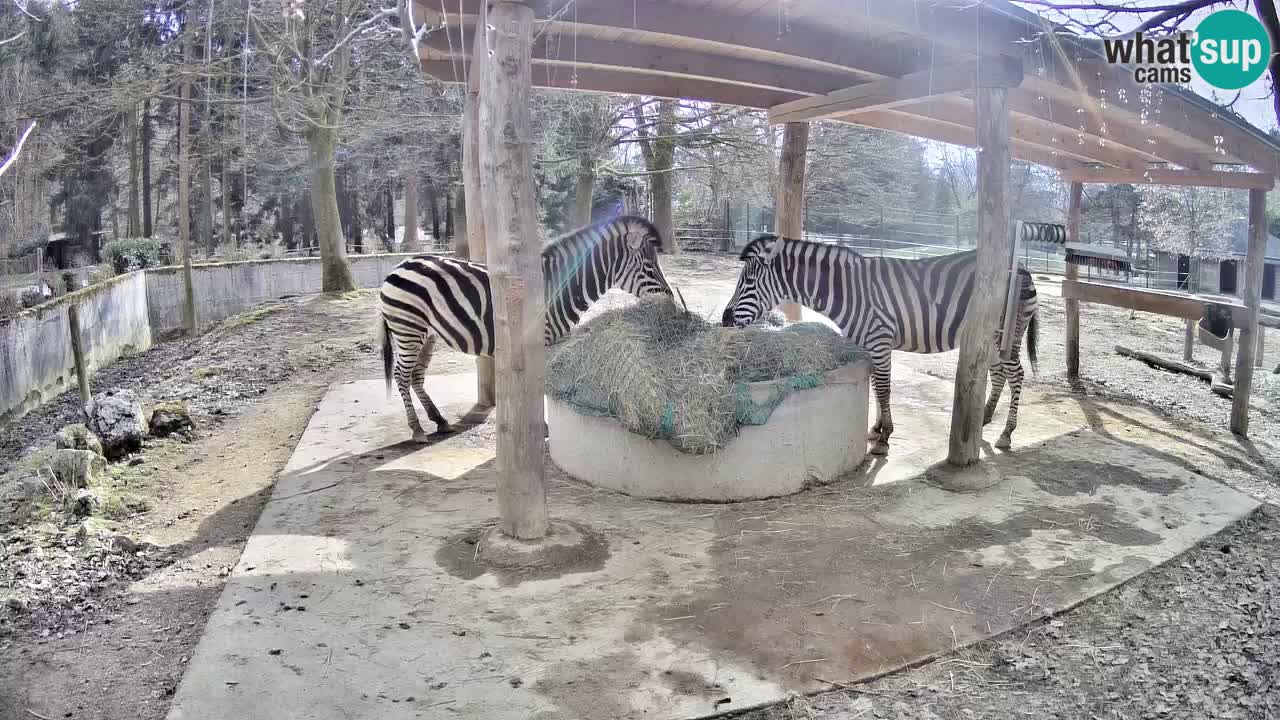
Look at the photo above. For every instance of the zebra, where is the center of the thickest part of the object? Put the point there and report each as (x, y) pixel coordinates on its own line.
(431, 296)
(883, 304)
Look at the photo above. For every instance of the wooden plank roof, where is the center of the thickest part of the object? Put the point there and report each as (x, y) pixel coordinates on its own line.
(887, 64)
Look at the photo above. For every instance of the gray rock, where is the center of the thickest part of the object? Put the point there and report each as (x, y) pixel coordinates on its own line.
(84, 503)
(78, 468)
(118, 422)
(171, 418)
(77, 437)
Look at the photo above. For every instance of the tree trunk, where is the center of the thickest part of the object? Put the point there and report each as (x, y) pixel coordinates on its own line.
(357, 232)
(184, 192)
(146, 168)
(433, 206)
(410, 243)
(389, 220)
(788, 218)
(134, 217)
(335, 272)
(660, 187)
(226, 206)
(448, 214)
(207, 235)
(583, 191)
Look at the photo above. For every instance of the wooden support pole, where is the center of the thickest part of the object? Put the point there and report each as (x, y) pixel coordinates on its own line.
(1260, 357)
(1252, 296)
(788, 218)
(476, 248)
(1074, 210)
(515, 269)
(77, 354)
(1188, 341)
(977, 334)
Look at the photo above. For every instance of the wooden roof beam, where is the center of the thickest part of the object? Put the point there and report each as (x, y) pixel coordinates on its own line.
(893, 92)
(1030, 131)
(1161, 176)
(1095, 128)
(1179, 122)
(704, 28)
(557, 74)
(957, 134)
(587, 52)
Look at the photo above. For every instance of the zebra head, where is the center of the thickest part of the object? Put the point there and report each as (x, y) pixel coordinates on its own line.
(635, 266)
(760, 286)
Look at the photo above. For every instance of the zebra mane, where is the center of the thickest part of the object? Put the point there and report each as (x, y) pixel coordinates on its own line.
(592, 234)
(755, 248)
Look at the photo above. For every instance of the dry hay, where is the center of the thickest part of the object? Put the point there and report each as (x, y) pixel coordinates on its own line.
(665, 372)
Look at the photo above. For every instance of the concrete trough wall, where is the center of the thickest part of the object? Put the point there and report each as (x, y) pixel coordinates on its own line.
(813, 437)
(36, 363)
(227, 289)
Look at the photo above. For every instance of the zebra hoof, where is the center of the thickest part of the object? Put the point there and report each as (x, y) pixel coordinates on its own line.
(420, 436)
(443, 428)
(1004, 442)
(880, 448)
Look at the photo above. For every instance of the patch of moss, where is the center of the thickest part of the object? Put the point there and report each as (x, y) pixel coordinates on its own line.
(247, 317)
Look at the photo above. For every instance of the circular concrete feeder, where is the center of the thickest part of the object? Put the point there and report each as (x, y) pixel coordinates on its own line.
(813, 436)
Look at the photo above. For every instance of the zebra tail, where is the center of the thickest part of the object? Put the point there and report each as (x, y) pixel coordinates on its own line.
(1033, 330)
(388, 354)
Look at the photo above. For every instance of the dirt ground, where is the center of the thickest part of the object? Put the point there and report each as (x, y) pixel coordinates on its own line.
(104, 633)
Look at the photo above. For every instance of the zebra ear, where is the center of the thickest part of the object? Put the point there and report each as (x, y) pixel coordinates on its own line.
(771, 247)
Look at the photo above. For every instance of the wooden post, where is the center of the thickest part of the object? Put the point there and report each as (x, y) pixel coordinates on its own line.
(1189, 341)
(515, 269)
(476, 248)
(788, 219)
(1252, 297)
(1074, 209)
(1262, 341)
(77, 354)
(977, 334)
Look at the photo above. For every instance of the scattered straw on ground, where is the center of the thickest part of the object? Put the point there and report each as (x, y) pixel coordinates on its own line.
(665, 372)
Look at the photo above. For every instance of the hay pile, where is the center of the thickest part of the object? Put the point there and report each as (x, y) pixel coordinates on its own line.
(665, 372)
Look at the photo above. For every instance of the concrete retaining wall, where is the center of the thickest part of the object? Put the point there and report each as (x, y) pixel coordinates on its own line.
(118, 317)
(36, 363)
(227, 289)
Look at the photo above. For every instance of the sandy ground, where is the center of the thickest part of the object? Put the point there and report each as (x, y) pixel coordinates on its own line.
(1196, 638)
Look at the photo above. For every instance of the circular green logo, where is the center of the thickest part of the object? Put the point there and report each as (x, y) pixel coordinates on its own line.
(1231, 49)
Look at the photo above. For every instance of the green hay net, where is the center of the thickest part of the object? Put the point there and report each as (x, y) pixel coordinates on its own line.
(666, 373)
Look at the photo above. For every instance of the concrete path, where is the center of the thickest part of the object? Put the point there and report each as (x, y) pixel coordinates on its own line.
(359, 596)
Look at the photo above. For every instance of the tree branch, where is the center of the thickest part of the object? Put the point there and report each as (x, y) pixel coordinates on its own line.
(13, 157)
(6, 41)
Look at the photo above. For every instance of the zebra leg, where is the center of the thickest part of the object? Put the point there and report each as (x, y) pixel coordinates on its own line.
(874, 432)
(880, 381)
(419, 374)
(997, 373)
(407, 349)
(1013, 369)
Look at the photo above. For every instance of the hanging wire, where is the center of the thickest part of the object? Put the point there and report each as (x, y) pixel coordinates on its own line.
(444, 20)
(462, 42)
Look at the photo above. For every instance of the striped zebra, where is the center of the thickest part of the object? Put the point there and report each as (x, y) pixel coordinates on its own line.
(883, 304)
(430, 296)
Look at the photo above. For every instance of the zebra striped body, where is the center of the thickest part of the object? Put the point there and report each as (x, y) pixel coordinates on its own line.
(883, 304)
(430, 297)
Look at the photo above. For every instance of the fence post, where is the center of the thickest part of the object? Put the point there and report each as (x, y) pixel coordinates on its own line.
(77, 353)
